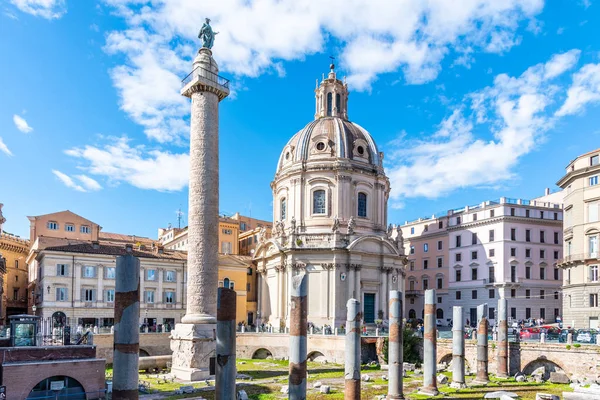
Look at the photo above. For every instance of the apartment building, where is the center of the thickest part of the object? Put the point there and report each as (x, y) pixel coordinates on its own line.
(477, 254)
(426, 247)
(13, 249)
(507, 249)
(581, 281)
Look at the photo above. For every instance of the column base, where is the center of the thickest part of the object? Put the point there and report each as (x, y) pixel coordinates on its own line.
(429, 391)
(193, 346)
(395, 397)
(458, 385)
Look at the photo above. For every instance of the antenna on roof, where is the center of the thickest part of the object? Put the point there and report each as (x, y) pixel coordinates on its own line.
(179, 217)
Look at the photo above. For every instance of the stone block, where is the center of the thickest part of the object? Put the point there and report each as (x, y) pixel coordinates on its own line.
(384, 377)
(442, 379)
(325, 389)
(317, 384)
(521, 378)
(366, 378)
(408, 366)
(546, 396)
(501, 394)
(285, 389)
(242, 395)
(559, 377)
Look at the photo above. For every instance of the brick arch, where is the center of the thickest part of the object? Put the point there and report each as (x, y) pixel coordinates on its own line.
(80, 374)
(144, 353)
(540, 361)
(447, 358)
(261, 353)
(314, 354)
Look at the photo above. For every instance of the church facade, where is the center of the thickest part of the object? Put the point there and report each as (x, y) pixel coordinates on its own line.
(330, 195)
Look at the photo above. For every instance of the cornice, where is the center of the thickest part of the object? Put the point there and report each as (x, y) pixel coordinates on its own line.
(506, 218)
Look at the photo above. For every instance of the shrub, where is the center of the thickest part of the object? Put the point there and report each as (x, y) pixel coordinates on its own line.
(576, 345)
(568, 347)
(411, 346)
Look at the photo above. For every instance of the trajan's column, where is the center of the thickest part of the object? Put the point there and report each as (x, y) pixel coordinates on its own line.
(193, 341)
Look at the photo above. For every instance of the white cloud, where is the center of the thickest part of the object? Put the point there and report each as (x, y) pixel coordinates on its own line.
(68, 181)
(89, 183)
(146, 169)
(4, 148)
(21, 124)
(515, 112)
(49, 9)
(373, 37)
(585, 89)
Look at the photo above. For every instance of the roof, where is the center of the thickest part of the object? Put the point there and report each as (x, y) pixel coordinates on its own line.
(330, 136)
(105, 248)
(118, 237)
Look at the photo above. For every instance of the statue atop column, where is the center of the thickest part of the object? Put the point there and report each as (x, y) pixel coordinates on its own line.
(207, 35)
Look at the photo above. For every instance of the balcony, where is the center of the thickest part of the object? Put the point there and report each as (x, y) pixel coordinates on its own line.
(577, 258)
(412, 293)
(204, 76)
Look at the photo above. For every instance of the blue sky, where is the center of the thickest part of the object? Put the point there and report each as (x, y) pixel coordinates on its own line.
(468, 103)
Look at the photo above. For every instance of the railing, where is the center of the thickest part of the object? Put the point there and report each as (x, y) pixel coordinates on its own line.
(53, 395)
(205, 74)
(579, 257)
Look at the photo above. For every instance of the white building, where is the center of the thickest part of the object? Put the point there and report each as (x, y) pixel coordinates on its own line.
(330, 197)
(76, 280)
(581, 236)
(507, 248)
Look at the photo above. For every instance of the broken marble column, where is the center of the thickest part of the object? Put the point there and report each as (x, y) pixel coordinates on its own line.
(352, 367)
(482, 344)
(127, 333)
(193, 341)
(395, 351)
(430, 346)
(502, 369)
(225, 368)
(458, 349)
(298, 342)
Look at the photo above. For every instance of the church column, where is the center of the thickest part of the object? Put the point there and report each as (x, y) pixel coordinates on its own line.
(357, 282)
(383, 292)
(350, 278)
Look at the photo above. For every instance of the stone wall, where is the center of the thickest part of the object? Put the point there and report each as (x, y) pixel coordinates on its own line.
(154, 344)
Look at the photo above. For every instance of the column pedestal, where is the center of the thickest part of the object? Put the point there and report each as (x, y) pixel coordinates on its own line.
(193, 346)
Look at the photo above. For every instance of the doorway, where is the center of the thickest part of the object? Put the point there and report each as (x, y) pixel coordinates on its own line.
(71, 389)
(473, 316)
(369, 308)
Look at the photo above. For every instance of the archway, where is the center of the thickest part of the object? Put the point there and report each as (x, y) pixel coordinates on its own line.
(72, 389)
(59, 319)
(316, 356)
(261, 354)
(412, 314)
(144, 353)
(550, 366)
(439, 314)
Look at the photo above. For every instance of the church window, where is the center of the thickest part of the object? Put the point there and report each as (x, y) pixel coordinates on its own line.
(283, 209)
(338, 104)
(287, 155)
(226, 283)
(320, 146)
(329, 104)
(319, 202)
(362, 205)
(361, 150)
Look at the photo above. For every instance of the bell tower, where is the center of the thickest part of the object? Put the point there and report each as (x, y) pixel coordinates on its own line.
(331, 96)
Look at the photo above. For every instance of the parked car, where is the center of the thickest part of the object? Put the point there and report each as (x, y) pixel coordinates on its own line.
(586, 336)
(552, 332)
(530, 333)
(562, 337)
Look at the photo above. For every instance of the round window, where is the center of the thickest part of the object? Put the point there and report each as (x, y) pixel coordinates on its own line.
(287, 156)
(320, 146)
(360, 150)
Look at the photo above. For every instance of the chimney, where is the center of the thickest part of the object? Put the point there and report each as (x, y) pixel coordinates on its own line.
(547, 191)
(129, 247)
(95, 244)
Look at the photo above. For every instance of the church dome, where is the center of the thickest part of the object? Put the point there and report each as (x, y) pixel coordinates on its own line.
(331, 136)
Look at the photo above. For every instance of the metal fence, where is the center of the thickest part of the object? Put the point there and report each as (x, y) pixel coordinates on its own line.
(59, 395)
(205, 74)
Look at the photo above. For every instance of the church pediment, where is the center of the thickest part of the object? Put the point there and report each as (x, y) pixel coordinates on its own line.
(374, 244)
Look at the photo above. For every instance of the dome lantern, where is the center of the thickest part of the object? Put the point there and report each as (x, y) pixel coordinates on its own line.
(331, 97)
